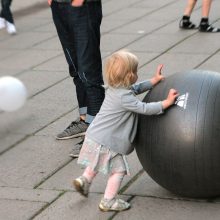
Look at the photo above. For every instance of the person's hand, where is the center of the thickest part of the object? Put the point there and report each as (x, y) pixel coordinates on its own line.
(158, 75)
(49, 2)
(172, 95)
(77, 3)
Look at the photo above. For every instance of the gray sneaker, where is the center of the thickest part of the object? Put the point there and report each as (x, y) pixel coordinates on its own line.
(76, 149)
(82, 185)
(75, 129)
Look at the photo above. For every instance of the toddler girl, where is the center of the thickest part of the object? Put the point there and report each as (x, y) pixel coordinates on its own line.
(109, 137)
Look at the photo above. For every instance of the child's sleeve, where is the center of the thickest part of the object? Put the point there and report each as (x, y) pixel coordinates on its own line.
(141, 87)
(131, 103)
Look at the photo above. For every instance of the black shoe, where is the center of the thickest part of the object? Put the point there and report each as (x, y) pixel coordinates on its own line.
(75, 129)
(208, 28)
(76, 149)
(186, 24)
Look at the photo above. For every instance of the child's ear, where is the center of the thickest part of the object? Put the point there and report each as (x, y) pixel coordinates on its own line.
(132, 76)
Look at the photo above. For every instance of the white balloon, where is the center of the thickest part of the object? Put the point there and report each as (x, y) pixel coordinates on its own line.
(13, 94)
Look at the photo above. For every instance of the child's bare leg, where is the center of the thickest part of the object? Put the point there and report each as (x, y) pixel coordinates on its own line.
(189, 8)
(113, 185)
(185, 22)
(109, 202)
(206, 5)
(89, 174)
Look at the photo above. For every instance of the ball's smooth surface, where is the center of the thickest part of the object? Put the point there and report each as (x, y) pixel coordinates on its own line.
(180, 149)
(13, 94)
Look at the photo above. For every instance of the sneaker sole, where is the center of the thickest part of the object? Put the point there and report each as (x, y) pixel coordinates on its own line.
(74, 155)
(112, 209)
(78, 188)
(72, 136)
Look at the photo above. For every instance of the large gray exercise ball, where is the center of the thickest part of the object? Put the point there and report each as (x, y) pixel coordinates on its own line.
(180, 149)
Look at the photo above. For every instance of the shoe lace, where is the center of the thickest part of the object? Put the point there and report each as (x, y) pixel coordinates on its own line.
(74, 124)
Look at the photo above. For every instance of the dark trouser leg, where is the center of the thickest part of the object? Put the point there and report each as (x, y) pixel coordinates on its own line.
(60, 12)
(86, 22)
(6, 12)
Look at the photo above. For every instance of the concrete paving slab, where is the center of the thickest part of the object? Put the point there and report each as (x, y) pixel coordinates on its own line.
(62, 180)
(129, 14)
(8, 139)
(140, 26)
(149, 43)
(173, 63)
(49, 44)
(62, 93)
(27, 59)
(146, 186)
(210, 44)
(8, 72)
(45, 13)
(19, 210)
(32, 195)
(144, 57)
(33, 161)
(57, 63)
(166, 209)
(168, 12)
(73, 206)
(38, 81)
(109, 25)
(58, 125)
(4, 53)
(110, 7)
(154, 4)
(29, 23)
(212, 63)
(26, 40)
(17, 6)
(49, 27)
(113, 42)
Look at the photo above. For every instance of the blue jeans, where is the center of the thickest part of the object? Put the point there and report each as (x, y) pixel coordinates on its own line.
(78, 29)
(6, 12)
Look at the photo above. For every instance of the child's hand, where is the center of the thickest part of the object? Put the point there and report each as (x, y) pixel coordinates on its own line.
(172, 95)
(158, 75)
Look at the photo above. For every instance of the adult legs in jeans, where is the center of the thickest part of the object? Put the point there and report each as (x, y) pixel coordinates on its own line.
(86, 22)
(79, 33)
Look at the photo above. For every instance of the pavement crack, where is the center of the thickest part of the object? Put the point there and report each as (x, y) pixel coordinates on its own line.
(46, 206)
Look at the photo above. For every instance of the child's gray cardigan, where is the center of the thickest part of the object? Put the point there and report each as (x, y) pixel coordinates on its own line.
(115, 125)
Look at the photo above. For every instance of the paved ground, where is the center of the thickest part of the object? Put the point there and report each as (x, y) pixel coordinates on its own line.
(35, 169)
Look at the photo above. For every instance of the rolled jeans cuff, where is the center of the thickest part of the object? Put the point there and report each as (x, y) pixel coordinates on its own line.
(83, 110)
(89, 118)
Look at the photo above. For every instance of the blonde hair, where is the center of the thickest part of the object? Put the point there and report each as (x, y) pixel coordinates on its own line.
(121, 69)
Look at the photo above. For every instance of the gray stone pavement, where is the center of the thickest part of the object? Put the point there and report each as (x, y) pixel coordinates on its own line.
(35, 169)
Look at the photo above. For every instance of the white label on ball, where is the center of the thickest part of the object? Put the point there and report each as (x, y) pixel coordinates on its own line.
(182, 100)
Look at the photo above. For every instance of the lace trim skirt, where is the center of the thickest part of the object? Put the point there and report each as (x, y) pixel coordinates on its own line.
(102, 159)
